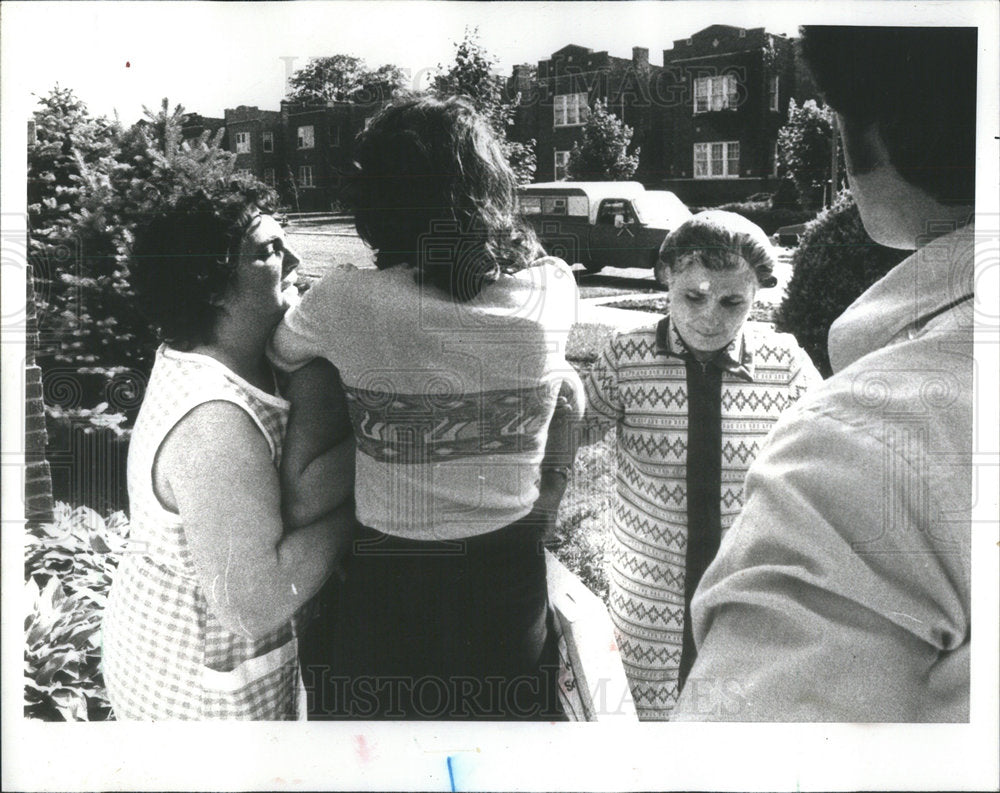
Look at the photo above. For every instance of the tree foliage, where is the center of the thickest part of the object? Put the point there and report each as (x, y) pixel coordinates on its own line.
(344, 78)
(804, 149)
(90, 183)
(472, 76)
(603, 156)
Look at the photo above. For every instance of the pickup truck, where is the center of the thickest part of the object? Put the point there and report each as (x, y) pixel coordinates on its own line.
(598, 224)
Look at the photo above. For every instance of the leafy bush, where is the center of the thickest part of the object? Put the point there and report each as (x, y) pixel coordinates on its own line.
(786, 195)
(90, 184)
(835, 262)
(804, 148)
(68, 567)
(603, 155)
(471, 75)
(769, 218)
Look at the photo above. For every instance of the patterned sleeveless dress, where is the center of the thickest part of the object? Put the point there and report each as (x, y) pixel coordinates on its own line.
(165, 654)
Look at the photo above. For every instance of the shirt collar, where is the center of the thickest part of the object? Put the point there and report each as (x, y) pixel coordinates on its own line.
(737, 357)
(936, 277)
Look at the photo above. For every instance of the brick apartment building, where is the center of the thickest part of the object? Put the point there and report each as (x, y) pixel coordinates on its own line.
(719, 141)
(302, 151)
(706, 121)
(556, 96)
(194, 124)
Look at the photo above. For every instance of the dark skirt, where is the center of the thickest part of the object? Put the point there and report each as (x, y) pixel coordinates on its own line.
(436, 630)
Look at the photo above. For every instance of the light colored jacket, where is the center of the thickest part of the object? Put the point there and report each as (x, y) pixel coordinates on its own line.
(841, 593)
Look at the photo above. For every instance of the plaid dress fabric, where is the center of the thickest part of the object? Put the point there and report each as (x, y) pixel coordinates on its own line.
(165, 654)
(639, 382)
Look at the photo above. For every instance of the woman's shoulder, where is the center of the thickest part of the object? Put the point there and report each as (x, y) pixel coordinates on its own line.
(548, 274)
(342, 284)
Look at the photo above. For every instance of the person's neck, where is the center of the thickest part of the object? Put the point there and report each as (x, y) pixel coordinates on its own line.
(241, 350)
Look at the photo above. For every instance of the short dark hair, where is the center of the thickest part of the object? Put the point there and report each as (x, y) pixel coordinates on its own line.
(432, 189)
(720, 241)
(917, 84)
(184, 259)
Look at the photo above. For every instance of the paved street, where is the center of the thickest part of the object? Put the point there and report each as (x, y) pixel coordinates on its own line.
(321, 243)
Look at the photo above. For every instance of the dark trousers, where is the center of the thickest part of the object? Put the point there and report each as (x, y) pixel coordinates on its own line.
(436, 630)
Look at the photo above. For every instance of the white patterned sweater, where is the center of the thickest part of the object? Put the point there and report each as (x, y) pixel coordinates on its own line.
(639, 382)
(450, 402)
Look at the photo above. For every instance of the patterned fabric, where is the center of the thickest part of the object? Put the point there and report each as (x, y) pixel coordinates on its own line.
(450, 402)
(843, 591)
(639, 382)
(448, 427)
(165, 654)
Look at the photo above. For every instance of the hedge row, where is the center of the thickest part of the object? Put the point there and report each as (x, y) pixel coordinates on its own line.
(769, 218)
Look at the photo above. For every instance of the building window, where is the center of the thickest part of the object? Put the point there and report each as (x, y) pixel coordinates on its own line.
(306, 138)
(305, 176)
(242, 142)
(570, 110)
(772, 93)
(562, 159)
(717, 160)
(269, 177)
(715, 93)
(268, 142)
(335, 135)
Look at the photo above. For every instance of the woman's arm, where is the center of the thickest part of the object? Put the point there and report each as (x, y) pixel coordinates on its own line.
(317, 463)
(218, 467)
(560, 449)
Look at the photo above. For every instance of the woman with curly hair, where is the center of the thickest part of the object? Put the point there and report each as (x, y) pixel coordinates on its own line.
(203, 615)
(451, 357)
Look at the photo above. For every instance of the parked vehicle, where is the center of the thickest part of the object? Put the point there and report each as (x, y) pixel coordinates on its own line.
(788, 236)
(599, 224)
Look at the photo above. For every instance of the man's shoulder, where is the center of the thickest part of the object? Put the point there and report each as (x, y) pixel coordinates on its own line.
(919, 388)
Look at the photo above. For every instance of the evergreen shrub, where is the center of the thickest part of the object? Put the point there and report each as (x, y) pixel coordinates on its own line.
(835, 262)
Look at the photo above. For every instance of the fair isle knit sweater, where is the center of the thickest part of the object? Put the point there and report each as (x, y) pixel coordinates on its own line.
(640, 382)
(450, 402)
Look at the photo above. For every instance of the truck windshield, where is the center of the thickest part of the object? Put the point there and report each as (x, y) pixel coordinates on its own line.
(660, 205)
